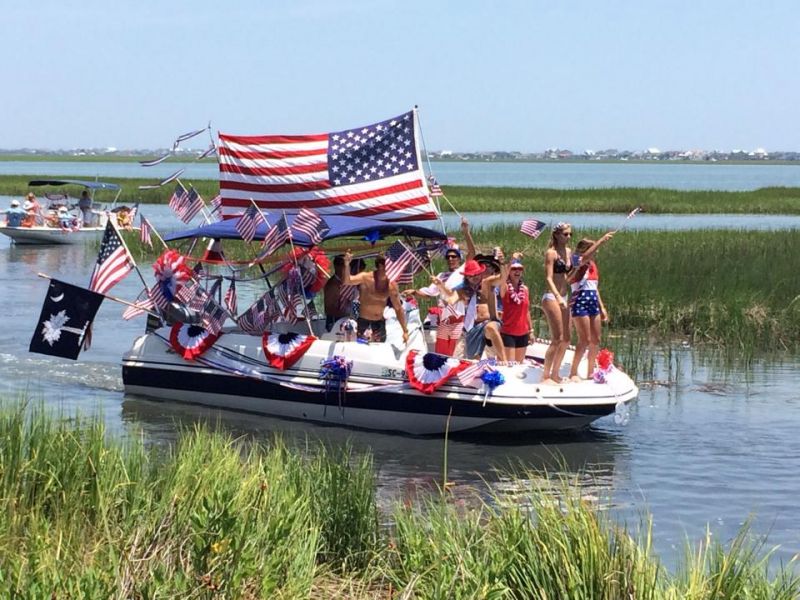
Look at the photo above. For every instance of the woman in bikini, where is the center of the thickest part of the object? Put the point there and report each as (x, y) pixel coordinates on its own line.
(557, 265)
(586, 306)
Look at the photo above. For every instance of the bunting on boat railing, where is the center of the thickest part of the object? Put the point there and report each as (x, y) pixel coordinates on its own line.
(282, 350)
(428, 372)
(191, 341)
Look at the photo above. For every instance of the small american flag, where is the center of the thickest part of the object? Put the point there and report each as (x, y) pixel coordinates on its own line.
(138, 308)
(230, 298)
(634, 212)
(145, 231)
(113, 262)
(398, 257)
(470, 374)
(532, 227)
(215, 203)
(192, 205)
(213, 316)
(177, 200)
(435, 188)
(277, 236)
(157, 296)
(247, 223)
(310, 223)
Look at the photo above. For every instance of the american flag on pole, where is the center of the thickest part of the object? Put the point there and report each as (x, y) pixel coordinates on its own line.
(532, 227)
(215, 203)
(213, 316)
(372, 171)
(634, 212)
(247, 223)
(145, 231)
(398, 257)
(230, 298)
(192, 205)
(309, 222)
(139, 308)
(277, 236)
(113, 262)
(435, 188)
(177, 200)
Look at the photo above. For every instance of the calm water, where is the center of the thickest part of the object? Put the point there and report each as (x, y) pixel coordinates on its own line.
(538, 175)
(708, 450)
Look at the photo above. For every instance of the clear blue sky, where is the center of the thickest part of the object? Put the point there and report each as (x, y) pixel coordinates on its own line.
(508, 75)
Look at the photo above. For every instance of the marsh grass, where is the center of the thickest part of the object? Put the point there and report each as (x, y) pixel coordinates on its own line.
(770, 200)
(87, 516)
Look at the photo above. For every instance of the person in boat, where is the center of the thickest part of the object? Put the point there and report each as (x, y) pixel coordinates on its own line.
(587, 310)
(15, 214)
(66, 220)
(124, 220)
(481, 325)
(516, 329)
(85, 206)
(34, 210)
(557, 267)
(449, 317)
(338, 298)
(374, 290)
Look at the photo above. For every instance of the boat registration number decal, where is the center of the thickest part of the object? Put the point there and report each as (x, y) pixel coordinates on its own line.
(393, 373)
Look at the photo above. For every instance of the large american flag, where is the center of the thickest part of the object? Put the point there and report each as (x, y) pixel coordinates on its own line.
(113, 262)
(372, 171)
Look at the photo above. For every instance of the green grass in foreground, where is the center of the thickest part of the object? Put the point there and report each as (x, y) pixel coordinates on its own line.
(86, 516)
(772, 200)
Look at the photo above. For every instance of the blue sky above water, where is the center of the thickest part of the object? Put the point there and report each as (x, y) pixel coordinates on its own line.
(514, 75)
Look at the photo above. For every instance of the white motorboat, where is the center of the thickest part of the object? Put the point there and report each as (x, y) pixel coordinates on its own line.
(234, 374)
(48, 227)
(237, 373)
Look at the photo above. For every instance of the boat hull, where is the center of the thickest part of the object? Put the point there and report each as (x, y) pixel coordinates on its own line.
(46, 236)
(377, 397)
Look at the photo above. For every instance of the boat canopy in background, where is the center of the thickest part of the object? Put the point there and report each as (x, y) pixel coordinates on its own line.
(339, 227)
(372, 171)
(92, 185)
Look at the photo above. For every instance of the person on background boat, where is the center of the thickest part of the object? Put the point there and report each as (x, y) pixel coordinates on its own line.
(449, 317)
(85, 206)
(66, 221)
(374, 290)
(557, 266)
(516, 330)
(586, 305)
(124, 220)
(34, 210)
(14, 214)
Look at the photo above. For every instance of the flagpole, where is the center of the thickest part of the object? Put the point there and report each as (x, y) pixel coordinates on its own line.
(299, 277)
(430, 168)
(114, 298)
(632, 214)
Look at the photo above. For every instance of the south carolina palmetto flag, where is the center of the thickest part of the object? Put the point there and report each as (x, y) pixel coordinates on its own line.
(368, 171)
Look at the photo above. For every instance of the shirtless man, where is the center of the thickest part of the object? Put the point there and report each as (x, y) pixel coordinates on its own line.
(375, 289)
(335, 306)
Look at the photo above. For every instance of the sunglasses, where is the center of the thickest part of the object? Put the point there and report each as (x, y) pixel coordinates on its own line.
(449, 256)
(566, 233)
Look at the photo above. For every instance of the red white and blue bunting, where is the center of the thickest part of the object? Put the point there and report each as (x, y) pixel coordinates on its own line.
(282, 350)
(427, 372)
(191, 341)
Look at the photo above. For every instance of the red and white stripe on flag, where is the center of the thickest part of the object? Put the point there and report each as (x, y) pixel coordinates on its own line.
(372, 171)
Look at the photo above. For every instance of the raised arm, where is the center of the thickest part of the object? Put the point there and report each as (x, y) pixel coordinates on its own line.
(347, 278)
(594, 247)
(468, 238)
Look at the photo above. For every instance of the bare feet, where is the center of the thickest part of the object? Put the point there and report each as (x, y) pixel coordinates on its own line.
(575, 378)
(547, 381)
(556, 379)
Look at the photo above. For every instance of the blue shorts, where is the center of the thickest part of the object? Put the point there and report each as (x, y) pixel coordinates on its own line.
(585, 304)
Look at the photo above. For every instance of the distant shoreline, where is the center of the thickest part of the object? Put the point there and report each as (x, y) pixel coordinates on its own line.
(131, 158)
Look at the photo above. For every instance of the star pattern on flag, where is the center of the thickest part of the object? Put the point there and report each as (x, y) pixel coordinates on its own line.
(373, 152)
